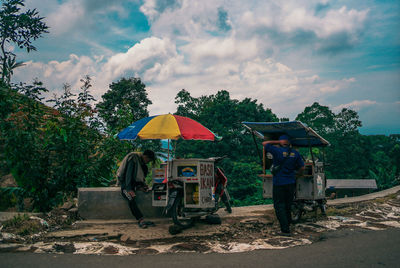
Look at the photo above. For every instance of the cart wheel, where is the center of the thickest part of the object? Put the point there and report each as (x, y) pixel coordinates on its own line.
(322, 207)
(177, 214)
(297, 212)
(213, 219)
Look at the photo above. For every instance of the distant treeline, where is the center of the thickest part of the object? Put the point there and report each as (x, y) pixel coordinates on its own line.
(52, 151)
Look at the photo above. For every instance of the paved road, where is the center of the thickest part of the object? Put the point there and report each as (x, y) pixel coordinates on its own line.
(342, 248)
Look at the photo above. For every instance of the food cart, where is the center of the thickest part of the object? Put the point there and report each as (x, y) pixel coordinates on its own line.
(190, 188)
(310, 188)
(196, 177)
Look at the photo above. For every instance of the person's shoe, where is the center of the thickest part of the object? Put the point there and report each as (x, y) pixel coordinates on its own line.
(307, 208)
(287, 234)
(142, 224)
(148, 223)
(175, 229)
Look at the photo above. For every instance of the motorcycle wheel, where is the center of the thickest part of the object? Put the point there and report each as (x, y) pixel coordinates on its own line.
(227, 203)
(322, 207)
(297, 212)
(177, 214)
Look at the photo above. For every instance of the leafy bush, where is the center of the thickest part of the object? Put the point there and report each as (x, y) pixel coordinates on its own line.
(51, 152)
(244, 185)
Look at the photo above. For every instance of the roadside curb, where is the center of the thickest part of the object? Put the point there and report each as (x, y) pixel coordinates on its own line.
(238, 212)
(366, 197)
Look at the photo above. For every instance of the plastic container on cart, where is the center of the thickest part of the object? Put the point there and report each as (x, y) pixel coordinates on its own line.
(198, 178)
(160, 192)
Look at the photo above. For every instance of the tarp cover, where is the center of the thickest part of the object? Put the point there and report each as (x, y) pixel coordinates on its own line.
(299, 134)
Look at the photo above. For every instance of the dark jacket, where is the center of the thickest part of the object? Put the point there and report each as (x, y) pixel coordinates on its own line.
(287, 173)
(128, 177)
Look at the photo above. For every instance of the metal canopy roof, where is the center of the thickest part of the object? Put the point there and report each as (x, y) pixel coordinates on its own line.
(300, 135)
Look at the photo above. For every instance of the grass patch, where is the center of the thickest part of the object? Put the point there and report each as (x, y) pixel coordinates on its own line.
(22, 225)
(344, 211)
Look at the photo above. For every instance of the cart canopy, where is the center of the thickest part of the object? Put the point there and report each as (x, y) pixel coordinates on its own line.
(300, 135)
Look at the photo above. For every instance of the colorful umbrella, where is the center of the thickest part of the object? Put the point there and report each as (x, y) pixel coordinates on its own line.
(167, 126)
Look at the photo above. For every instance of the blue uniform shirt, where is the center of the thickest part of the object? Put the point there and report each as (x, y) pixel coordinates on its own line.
(287, 174)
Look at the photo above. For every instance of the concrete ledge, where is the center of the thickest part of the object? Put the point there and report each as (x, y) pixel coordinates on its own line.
(107, 203)
(365, 197)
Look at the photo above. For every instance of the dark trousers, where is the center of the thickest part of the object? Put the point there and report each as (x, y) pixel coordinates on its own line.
(283, 198)
(132, 205)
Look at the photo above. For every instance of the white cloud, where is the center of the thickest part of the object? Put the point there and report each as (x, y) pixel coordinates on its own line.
(78, 17)
(186, 49)
(337, 85)
(218, 49)
(66, 17)
(270, 21)
(165, 72)
(54, 73)
(337, 21)
(355, 105)
(146, 56)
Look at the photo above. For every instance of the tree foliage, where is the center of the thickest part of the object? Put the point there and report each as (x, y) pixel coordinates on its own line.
(352, 155)
(124, 103)
(224, 116)
(18, 28)
(318, 117)
(67, 148)
(52, 152)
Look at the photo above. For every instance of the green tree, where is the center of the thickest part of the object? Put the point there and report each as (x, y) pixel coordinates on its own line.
(318, 117)
(124, 103)
(22, 133)
(75, 143)
(384, 162)
(348, 150)
(347, 122)
(245, 187)
(52, 152)
(223, 116)
(352, 155)
(19, 28)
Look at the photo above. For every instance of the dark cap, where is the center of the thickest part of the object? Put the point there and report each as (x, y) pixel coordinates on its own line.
(150, 154)
(284, 137)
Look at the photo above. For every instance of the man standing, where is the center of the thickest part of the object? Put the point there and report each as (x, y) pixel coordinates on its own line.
(286, 162)
(131, 175)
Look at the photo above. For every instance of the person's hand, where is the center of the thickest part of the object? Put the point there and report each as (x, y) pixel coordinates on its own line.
(264, 143)
(300, 172)
(132, 194)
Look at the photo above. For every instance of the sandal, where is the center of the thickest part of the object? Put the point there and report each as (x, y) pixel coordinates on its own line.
(148, 223)
(142, 224)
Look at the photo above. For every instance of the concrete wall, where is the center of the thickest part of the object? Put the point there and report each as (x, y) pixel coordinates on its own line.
(107, 203)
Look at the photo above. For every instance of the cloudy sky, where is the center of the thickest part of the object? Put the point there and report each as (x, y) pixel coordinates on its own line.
(286, 54)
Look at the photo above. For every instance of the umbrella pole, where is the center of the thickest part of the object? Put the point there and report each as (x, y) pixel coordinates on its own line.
(174, 153)
(168, 149)
(168, 162)
(167, 167)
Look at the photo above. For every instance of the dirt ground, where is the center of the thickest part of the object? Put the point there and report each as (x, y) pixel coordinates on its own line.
(60, 231)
